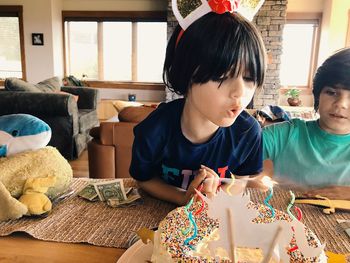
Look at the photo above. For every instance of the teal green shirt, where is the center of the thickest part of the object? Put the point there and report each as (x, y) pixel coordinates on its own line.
(304, 153)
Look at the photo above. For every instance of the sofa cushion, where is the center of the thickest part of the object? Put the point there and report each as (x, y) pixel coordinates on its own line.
(15, 84)
(135, 114)
(50, 85)
(119, 105)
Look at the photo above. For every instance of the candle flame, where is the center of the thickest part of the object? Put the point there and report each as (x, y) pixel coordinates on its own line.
(267, 181)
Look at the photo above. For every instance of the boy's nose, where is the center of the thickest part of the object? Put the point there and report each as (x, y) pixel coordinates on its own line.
(238, 88)
(343, 102)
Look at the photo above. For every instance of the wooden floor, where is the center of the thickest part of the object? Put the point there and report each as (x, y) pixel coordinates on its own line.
(80, 166)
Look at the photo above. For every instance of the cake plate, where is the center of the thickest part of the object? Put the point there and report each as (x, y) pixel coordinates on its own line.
(137, 253)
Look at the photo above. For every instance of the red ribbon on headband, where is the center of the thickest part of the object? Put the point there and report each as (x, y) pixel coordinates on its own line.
(223, 6)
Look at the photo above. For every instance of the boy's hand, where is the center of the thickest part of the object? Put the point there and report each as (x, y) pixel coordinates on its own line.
(211, 181)
(335, 192)
(206, 177)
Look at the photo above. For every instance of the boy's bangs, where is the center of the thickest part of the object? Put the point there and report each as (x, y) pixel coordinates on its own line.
(338, 78)
(245, 62)
(247, 58)
(343, 80)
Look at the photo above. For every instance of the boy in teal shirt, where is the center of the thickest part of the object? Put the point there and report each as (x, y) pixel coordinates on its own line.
(317, 153)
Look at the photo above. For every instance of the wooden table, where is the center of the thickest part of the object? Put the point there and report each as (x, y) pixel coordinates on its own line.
(22, 248)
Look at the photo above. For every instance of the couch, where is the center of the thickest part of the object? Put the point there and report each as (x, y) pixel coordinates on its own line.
(109, 151)
(69, 111)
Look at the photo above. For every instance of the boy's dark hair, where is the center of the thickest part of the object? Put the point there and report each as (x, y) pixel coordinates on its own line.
(334, 71)
(214, 46)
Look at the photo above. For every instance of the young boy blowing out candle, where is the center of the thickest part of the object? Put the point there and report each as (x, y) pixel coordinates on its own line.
(217, 63)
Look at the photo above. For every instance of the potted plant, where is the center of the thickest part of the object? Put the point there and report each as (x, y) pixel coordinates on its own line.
(293, 97)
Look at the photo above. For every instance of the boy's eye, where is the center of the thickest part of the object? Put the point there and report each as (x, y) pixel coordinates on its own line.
(331, 92)
(248, 79)
(221, 79)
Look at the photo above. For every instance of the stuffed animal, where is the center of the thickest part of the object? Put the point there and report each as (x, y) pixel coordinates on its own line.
(34, 195)
(17, 169)
(10, 207)
(22, 132)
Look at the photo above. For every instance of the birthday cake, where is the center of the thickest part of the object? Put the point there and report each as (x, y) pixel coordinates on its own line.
(197, 233)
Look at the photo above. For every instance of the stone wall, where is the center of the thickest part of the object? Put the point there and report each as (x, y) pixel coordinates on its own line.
(270, 21)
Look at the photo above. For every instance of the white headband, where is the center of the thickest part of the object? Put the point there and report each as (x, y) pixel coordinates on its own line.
(247, 8)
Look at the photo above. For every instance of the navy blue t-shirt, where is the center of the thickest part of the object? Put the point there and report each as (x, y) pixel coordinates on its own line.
(160, 148)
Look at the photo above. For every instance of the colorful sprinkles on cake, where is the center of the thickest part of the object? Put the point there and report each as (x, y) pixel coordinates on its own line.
(173, 239)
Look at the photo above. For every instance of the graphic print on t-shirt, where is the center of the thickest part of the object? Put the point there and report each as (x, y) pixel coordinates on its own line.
(183, 178)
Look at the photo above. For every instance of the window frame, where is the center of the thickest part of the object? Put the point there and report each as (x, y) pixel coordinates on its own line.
(115, 16)
(16, 11)
(347, 41)
(312, 18)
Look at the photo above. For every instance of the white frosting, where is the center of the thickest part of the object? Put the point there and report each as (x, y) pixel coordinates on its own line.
(160, 254)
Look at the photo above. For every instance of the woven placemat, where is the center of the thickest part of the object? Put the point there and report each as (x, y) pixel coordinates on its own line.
(75, 220)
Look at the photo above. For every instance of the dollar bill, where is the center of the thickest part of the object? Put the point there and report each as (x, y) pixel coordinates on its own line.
(113, 189)
(89, 193)
(133, 198)
(128, 190)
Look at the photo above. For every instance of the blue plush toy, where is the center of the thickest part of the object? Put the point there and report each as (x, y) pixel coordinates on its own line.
(22, 132)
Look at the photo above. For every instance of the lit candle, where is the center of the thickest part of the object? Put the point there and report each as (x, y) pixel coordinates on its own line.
(299, 216)
(268, 182)
(297, 209)
(228, 190)
(186, 231)
(266, 202)
(202, 206)
(291, 203)
(187, 241)
(202, 202)
(192, 224)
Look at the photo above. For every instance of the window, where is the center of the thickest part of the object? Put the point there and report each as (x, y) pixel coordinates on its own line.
(347, 43)
(115, 46)
(299, 50)
(82, 49)
(11, 42)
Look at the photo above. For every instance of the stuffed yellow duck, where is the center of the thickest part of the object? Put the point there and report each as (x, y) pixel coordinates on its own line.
(29, 167)
(34, 197)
